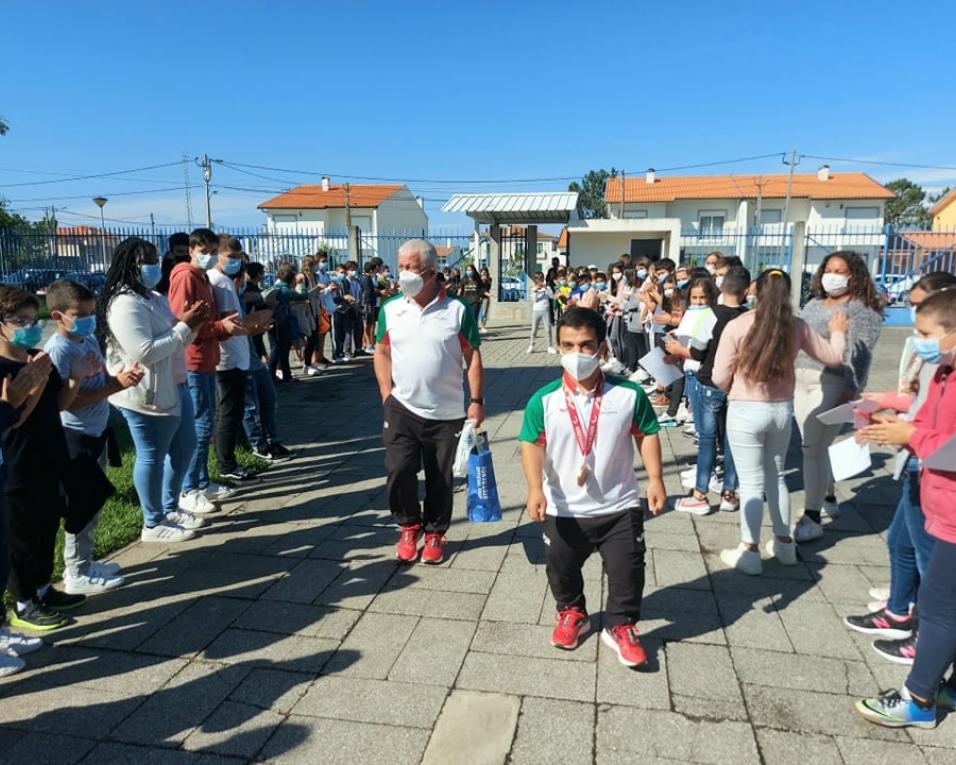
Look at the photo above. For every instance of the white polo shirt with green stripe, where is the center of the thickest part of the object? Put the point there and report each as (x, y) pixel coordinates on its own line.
(426, 348)
(611, 485)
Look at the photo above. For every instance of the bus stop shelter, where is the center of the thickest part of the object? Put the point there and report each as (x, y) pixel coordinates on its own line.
(514, 209)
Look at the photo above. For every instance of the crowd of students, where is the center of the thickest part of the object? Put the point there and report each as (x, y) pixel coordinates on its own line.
(750, 368)
(175, 346)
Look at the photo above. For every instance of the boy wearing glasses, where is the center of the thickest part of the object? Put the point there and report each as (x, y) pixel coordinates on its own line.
(36, 455)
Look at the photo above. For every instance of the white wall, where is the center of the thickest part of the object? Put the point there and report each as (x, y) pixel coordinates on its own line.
(401, 212)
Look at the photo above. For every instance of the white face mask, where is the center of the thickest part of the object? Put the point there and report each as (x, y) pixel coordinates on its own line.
(580, 365)
(711, 269)
(719, 281)
(835, 284)
(410, 283)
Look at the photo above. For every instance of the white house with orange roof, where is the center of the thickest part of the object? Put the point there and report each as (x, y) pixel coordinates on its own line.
(683, 217)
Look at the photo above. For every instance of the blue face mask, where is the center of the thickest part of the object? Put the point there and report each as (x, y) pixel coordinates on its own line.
(681, 283)
(205, 262)
(27, 337)
(927, 348)
(83, 326)
(232, 266)
(323, 266)
(642, 273)
(150, 274)
(913, 313)
(600, 286)
(696, 307)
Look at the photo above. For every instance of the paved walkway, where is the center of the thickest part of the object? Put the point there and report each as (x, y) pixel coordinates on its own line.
(286, 633)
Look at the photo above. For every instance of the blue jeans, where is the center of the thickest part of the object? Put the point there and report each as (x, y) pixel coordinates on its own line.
(710, 403)
(259, 418)
(936, 642)
(909, 545)
(181, 451)
(202, 389)
(152, 436)
(691, 387)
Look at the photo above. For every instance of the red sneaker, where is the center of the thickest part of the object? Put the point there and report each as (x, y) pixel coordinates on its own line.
(572, 624)
(407, 548)
(434, 550)
(623, 639)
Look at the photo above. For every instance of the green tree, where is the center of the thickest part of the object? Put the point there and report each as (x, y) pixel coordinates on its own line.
(591, 192)
(4, 127)
(909, 206)
(932, 199)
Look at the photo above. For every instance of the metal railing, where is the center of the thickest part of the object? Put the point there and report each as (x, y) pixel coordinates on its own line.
(758, 248)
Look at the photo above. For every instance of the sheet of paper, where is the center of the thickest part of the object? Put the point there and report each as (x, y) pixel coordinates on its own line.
(662, 372)
(943, 458)
(698, 325)
(848, 458)
(839, 414)
(861, 416)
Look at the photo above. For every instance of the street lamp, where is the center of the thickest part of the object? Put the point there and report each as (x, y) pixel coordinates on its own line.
(101, 203)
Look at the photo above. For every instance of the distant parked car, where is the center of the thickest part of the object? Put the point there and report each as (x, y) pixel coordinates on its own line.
(897, 287)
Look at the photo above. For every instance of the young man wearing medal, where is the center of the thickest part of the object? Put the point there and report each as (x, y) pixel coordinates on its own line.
(577, 452)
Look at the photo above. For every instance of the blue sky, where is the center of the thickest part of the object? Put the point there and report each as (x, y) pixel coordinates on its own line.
(456, 91)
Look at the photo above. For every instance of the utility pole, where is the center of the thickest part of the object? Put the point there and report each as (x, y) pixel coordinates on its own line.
(353, 244)
(622, 195)
(186, 184)
(786, 207)
(152, 226)
(206, 166)
(798, 243)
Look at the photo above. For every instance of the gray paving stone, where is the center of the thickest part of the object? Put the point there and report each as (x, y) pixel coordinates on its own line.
(305, 582)
(416, 602)
(67, 710)
(840, 584)
(33, 748)
(294, 653)
(434, 653)
(444, 579)
(553, 731)
(372, 701)
(357, 585)
(937, 756)
(195, 628)
(787, 709)
(298, 619)
(754, 624)
(617, 684)
(676, 568)
(516, 598)
(815, 629)
(233, 729)
(278, 690)
(861, 752)
(125, 754)
(474, 727)
(801, 672)
(526, 676)
(634, 735)
(340, 742)
(170, 715)
(373, 645)
(524, 640)
(703, 682)
(786, 748)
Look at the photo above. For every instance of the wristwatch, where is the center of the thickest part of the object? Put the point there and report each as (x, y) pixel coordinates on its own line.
(479, 401)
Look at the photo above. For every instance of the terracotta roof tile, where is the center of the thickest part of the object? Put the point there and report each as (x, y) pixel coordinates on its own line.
(943, 203)
(926, 240)
(805, 185)
(311, 197)
(563, 239)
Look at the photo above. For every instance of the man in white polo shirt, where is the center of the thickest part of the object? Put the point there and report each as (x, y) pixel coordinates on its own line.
(424, 340)
(577, 452)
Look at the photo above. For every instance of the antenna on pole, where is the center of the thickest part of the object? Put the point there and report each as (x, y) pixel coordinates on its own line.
(189, 201)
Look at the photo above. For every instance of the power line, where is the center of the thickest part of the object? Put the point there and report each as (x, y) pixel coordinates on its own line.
(721, 162)
(880, 162)
(86, 177)
(114, 194)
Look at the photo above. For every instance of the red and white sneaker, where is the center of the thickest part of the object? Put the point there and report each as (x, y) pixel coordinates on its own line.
(572, 624)
(622, 638)
(407, 548)
(434, 550)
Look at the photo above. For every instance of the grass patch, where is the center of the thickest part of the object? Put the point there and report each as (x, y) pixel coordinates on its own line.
(121, 518)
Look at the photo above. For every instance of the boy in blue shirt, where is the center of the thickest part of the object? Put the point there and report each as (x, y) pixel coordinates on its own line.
(85, 422)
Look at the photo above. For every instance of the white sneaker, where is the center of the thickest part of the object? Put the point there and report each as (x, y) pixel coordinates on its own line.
(320, 366)
(743, 559)
(347, 357)
(831, 507)
(684, 414)
(729, 504)
(217, 492)
(17, 644)
(186, 520)
(165, 533)
(880, 593)
(716, 483)
(692, 505)
(785, 552)
(552, 350)
(105, 568)
(10, 663)
(615, 367)
(195, 502)
(689, 429)
(639, 376)
(312, 372)
(530, 349)
(876, 605)
(807, 530)
(482, 331)
(90, 583)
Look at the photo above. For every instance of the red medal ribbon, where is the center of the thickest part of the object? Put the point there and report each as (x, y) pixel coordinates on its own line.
(585, 442)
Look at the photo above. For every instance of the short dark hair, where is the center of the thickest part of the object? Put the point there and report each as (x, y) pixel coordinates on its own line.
(255, 270)
(937, 280)
(577, 317)
(736, 281)
(229, 243)
(941, 307)
(285, 272)
(203, 237)
(64, 294)
(12, 299)
(666, 263)
(371, 266)
(600, 275)
(706, 284)
(729, 261)
(180, 238)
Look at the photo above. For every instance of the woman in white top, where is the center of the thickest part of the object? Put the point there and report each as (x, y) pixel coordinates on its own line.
(136, 325)
(541, 297)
